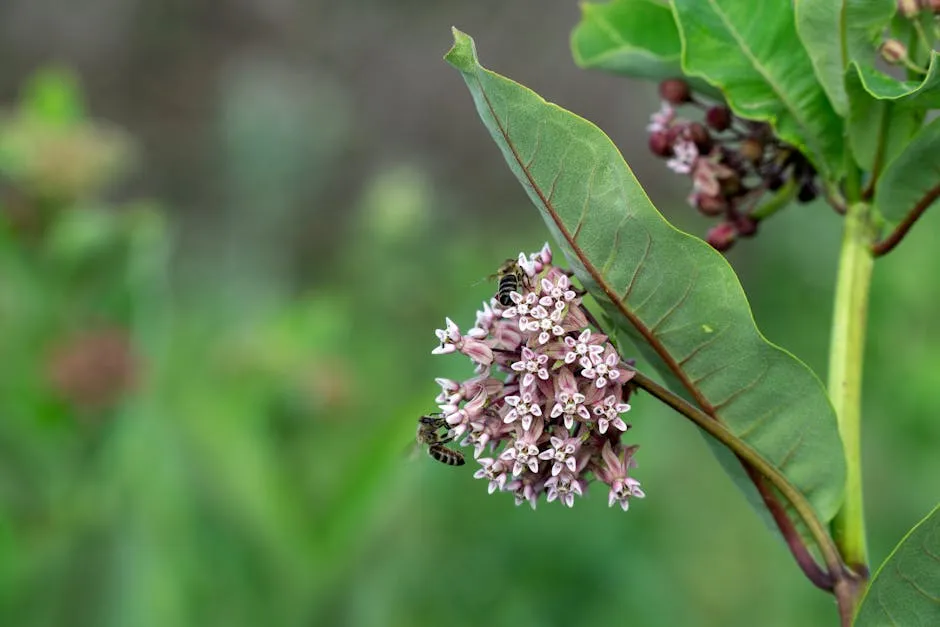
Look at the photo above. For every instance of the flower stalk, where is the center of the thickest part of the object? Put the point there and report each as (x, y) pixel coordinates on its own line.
(845, 375)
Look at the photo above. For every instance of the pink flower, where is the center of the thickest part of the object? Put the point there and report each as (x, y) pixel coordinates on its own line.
(558, 293)
(521, 305)
(524, 408)
(524, 452)
(493, 470)
(614, 472)
(451, 340)
(601, 369)
(684, 155)
(569, 403)
(608, 414)
(531, 365)
(562, 453)
(488, 429)
(662, 119)
(563, 487)
(459, 418)
(585, 345)
(544, 425)
(547, 325)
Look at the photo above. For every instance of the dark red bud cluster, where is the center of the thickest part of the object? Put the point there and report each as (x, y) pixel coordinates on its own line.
(718, 117)
(675, 91)
(733, 162)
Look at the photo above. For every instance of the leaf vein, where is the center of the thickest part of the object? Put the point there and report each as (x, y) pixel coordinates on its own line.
(587, 202)
(639, 266)
(598, 279)
(675, 306)
(538, 144)
(701, 347)
(737, 393)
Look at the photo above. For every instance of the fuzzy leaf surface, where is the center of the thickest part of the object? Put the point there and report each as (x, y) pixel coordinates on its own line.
(906, 588)
(678, 299)
(751, 51)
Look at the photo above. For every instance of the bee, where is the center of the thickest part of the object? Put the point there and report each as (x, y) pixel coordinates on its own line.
(511, 277)
(428, 428)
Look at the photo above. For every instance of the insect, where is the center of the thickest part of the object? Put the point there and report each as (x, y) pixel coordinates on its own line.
(510, 277)
(428, 428)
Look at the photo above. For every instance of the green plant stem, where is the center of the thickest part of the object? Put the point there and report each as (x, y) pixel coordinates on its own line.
(845, 376)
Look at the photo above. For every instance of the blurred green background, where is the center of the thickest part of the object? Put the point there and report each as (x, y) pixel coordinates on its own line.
(227, 232)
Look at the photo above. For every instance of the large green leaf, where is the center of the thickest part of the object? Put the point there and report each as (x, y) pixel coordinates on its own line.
(750, 50)
(631, 37)
(865, 22)
(676, 297)
(906, 588)
(878, 130)
(820, 27)
(913, 177)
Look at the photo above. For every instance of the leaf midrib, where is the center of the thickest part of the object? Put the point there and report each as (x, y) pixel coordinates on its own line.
(647, 334)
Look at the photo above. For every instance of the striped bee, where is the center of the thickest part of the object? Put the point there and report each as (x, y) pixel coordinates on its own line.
(428, 428)
(510, 277)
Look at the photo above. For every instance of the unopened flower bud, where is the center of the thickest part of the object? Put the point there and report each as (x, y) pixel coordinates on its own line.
(700, 137)
(731, 185)
(893, 51)
(711, 205)
(722, 236)
(773, 176)
(718, 117)
(909, 8)
(752, 149)
(675, 91)
(746, 226)
(660, 145)
(808, 191)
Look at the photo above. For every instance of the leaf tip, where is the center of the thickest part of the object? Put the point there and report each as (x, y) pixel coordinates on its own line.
(463, 54)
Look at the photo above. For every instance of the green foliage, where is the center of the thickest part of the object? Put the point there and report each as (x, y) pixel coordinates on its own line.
(632, 37)
(861, 23)
(816, 21)
(906, 588)
(878, 130)
(737, 46)
(676, 298)
(912, 177)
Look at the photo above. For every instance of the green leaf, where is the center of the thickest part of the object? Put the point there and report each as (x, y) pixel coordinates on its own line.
(906, 588)
(913, 177)
(818, 23)
(865, 24)
(750, 50)
(923, 93)
(676, 297)
(878, 130)
(631, 37)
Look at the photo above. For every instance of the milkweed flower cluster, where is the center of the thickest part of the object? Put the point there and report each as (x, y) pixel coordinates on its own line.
(544, 409)
(732, 162)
